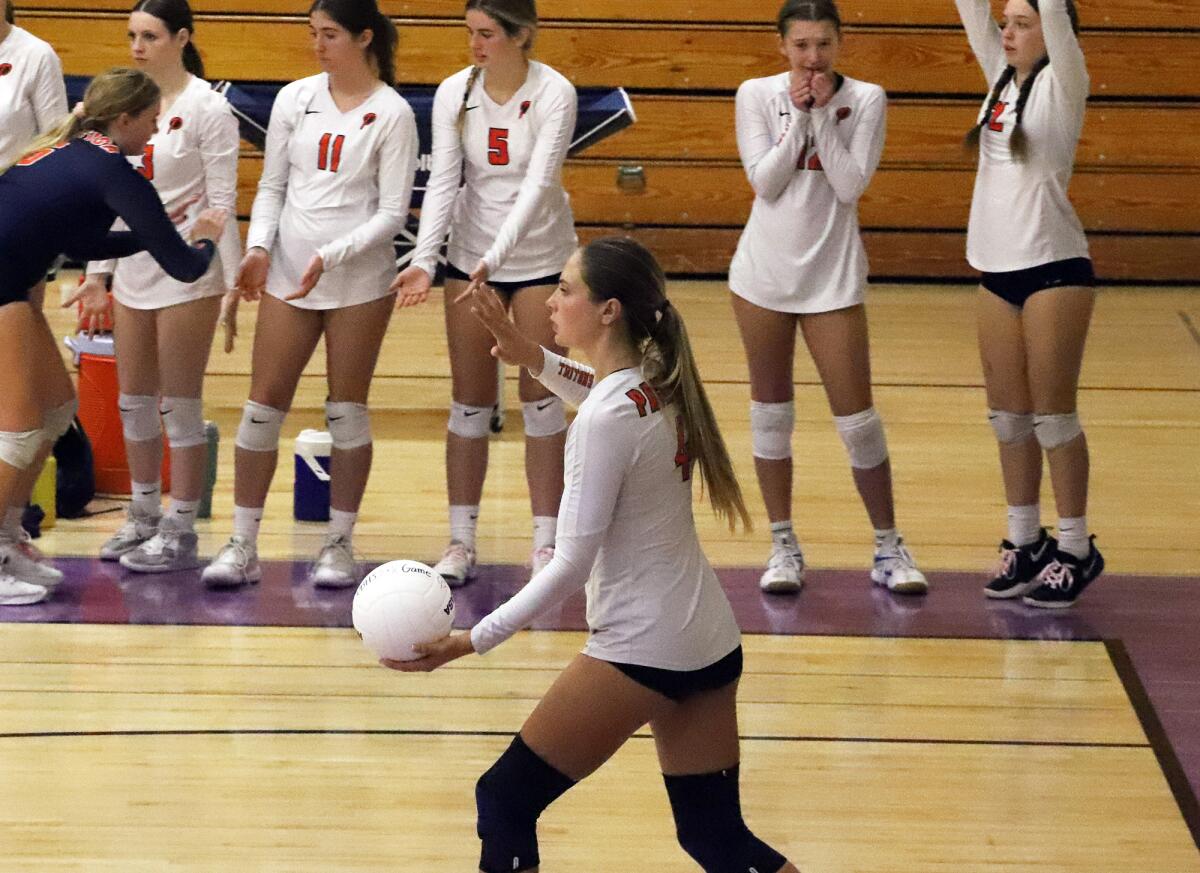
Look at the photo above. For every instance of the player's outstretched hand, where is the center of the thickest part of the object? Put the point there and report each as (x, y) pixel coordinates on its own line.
(312, 275)
(411, 286)
(434, 655)
(229, 309)
(94, 302)
(251, 279)
(210, 224)
(512, 346)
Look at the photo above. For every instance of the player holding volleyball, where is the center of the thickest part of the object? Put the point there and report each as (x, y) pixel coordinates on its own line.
(1035, 299)
(62, 196)
(340, 160)
(164, 327)
(664, 648)
(810, 140)
(501, 128)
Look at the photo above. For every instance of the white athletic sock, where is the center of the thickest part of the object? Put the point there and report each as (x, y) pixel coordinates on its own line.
(12, 519)
(463, 522)
(147, 496)
(183, 512)
(1072, 536)
(783, 536)
(342, 523)
(887, 540)
(544, 527)
(1024, 524)
(246, 522)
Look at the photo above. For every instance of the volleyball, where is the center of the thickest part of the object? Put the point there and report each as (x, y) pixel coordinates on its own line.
(399, 604)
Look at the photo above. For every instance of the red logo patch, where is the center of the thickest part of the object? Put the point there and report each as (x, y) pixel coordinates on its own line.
(524, 108)
(174, 124)
(369, 118)
(96, 138)
(5, 69)
(843, 114)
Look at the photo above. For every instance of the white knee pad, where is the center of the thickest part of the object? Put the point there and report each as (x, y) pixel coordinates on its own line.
(771, 426)
(469, 422)
(259, 430)
(544, 417)
(863, 436)
(139, 417)
(349, 424)
(19, 448)
(183, 420)
(1056, 430)
(1011, 427)
(58, 420)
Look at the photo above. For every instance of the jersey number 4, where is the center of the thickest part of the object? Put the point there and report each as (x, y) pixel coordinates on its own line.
(498, 146)
(329, 152)
(645, 398)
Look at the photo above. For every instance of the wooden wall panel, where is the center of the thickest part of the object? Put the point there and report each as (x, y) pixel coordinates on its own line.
(921, 254)
(1137, 14)
(919, 131)
(644, 56)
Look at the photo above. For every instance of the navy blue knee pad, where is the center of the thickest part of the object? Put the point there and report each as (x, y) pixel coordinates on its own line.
(709, 824)
(509, 798)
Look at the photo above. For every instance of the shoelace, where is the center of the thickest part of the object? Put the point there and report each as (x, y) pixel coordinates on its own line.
(1058, 576)
(241, 554)
(781, 559)
(333, 545)
(900, 556)
(1007, 565)
(458, 551)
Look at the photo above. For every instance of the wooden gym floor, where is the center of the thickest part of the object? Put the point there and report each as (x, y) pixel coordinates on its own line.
(146, 725)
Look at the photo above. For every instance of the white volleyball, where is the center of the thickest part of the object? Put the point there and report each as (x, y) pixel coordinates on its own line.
(399, 604)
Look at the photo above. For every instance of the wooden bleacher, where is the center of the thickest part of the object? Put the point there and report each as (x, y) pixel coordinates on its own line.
(1138, 171)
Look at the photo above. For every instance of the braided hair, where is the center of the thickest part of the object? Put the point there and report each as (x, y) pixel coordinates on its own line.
(462, 110)
(1019, 144)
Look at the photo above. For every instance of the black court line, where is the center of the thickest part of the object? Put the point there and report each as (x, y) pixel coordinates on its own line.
(400, 732)
(1168, 761)
(1191, 328)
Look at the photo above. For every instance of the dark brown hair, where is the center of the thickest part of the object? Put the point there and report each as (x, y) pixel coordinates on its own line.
(808, 10)
(359, 15)
(620, 268)
(176, 15)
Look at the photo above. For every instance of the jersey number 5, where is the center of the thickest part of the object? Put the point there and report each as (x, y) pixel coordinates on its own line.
(498, 146)
(330, 159)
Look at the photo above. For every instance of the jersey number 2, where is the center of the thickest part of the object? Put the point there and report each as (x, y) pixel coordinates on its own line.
(994, 122)
(498, 146)
(327, 158)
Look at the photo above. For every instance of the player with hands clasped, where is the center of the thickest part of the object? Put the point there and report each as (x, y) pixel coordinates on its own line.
(337, 179)
(501, 130)
(1035, 298)
(164, 327)
(810, 140)
(62, 195)
(664, 648)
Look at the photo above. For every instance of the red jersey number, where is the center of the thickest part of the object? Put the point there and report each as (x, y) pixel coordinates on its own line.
(498, 146)
(330, 158)
(31, 159)
(997, 111)
(683, 460)
(645, 398)
(809, 161)
(147, 167)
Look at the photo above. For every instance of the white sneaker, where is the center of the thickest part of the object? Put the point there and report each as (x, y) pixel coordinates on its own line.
(785, 570)
(539, 559)
(457, 565)
(235, 565)
(335, 566)
(138, 527)
(25, 561)
(897, 571)
(16, 592)
(173, 547)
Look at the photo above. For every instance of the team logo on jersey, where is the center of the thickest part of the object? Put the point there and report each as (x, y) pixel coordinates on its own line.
(369, 118)
(842, 114)
(524, 108)
(5, 69)
(174, 124)
(96, 138)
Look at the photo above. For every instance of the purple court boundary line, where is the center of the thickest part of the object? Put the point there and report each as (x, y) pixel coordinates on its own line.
(1145, 623)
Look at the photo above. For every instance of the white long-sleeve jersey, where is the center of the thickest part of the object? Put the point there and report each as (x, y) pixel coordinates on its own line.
(626, 533)
(33, 97)
(511, 210)
(336, 184)
(801, 250)
(193, 153)
(1021, 216)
